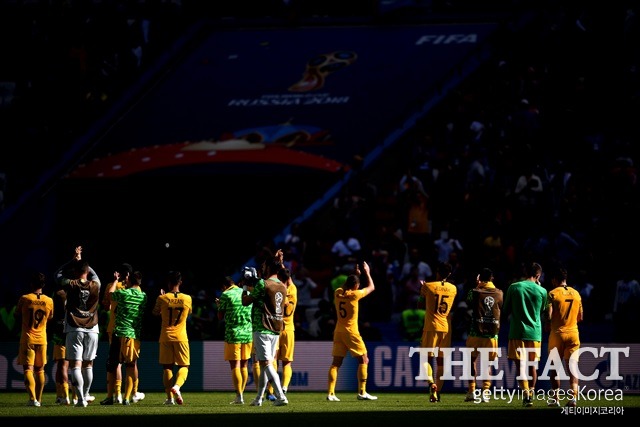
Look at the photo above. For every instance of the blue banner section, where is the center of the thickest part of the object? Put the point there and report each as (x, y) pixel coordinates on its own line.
(330, 92)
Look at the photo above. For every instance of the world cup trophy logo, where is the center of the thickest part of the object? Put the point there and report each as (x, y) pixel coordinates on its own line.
(488, 303)
(319, 67)
(278, 303)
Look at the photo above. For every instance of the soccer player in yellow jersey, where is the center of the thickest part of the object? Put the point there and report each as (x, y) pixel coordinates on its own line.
(286, 342)
(437, 297)
(564, 311)
(173, 307)
(346, 336)
(34, 310)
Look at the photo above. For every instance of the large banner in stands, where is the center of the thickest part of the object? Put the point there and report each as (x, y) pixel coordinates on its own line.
(391, 368)
(305, 97)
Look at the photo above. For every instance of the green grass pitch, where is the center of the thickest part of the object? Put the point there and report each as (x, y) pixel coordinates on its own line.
(305, 409)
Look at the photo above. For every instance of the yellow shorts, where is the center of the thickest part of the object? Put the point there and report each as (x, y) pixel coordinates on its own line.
(32, 354)
(433, 339)
(174, 353)
(566, 343)
(59, 352)
(129, 349)
(237, 351)
(482, 342)
(286, 345)
(345, 341)
(514, 354)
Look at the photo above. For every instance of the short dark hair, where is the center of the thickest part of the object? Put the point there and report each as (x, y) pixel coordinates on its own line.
(174, 277)
(125, 269)
(559, 273)
(486, 275)
(352, 281)
(37, 280)
(136, 278)
(445, 269)
(284, 274)
(533, 269)
(271, 265)
(78, 267)
(227, 282)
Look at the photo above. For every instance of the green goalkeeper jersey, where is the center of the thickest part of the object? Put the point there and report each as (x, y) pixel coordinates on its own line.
(130, 312)
(237, 318)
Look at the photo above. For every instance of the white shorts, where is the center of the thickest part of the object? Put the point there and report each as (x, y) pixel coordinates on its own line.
(81, 345)
(265, 346)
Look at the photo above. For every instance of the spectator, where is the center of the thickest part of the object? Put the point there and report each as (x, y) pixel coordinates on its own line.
(445, 245)
(306, 286)
(411, 288)
(412, 322)
(202, 322)
(295, 244)
(409, 181)
(336, 282)
(528, 193)
(584, 285)
(346, 250)
(324, 321)
(626, 308)
(416, 260)
(415, 209)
